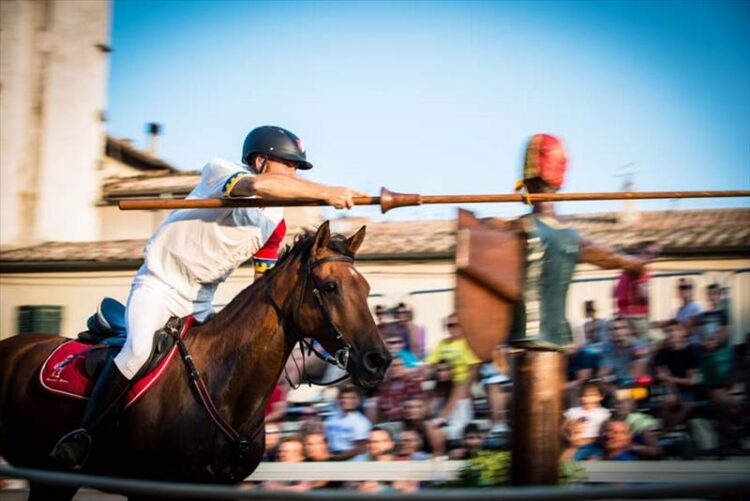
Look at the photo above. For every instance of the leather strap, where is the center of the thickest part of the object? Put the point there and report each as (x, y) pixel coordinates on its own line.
(242, 443)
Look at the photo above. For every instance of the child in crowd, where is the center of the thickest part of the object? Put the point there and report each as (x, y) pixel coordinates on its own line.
(591, 412)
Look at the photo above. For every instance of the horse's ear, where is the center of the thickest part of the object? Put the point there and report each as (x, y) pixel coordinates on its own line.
(323, 236)
(356, 240)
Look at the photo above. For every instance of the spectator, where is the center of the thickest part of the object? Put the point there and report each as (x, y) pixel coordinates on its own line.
(574, 443)
(273, 436)
(456, 408)
(642, 426)
(415, 419)
(381, 315)
(456, 351)
(380, 447)
(310, 421)
(677, 371)
(594, 328)
(614, 444)
(413, 333)
(618, 441)
(716, 365)
(396, 346)
(590, 413)
(583, 365)
(496, 383)
(471, 443)
(410, 447)
(624, 357)
(631, 292)
(316, 447)
(291, 450)
(347, 429)
(451, 403)
(688, 313)
(398, 385)
(316, 450)
(716, 352)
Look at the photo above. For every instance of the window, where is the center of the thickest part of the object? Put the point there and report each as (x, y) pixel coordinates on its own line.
(40, 319)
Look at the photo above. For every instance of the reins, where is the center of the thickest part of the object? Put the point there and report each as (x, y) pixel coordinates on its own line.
(339, 359)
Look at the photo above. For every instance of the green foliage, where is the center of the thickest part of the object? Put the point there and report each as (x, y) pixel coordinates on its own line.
(492, 468)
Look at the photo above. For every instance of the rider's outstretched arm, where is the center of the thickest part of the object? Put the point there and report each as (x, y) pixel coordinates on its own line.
(281, 186)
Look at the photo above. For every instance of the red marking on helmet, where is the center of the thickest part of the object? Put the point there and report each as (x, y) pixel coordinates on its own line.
(300, 145)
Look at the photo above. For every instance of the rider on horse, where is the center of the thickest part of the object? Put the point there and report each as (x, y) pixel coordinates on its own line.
(192, 252)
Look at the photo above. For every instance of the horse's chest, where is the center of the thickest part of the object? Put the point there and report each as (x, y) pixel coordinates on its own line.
(188, 445)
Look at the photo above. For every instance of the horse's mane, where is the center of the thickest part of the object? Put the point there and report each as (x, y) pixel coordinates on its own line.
(300, 249)
(302, 246)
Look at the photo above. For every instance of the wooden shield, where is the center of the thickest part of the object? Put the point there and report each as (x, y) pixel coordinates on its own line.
(488, 280)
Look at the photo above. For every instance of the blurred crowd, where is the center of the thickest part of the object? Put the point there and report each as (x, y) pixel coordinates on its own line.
(636, 389)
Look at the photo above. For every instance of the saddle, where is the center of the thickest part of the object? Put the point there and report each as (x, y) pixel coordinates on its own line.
(107, 332)
(74, 366)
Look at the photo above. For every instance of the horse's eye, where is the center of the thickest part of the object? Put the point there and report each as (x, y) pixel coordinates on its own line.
(329, 287)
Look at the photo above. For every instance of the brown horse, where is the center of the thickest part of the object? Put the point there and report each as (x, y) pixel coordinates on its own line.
(240, 352)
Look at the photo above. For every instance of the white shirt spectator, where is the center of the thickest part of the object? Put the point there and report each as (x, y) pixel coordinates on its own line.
(343, 430)
(593, 419)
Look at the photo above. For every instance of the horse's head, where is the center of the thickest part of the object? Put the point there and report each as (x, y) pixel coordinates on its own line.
(333, 308)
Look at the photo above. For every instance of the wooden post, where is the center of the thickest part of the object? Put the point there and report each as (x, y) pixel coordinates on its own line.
(538, 382)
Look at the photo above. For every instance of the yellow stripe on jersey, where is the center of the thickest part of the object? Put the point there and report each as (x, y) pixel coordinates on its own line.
(232, 182)
(262, 265)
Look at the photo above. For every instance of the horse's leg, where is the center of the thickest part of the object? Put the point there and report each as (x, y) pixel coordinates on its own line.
(43, 492)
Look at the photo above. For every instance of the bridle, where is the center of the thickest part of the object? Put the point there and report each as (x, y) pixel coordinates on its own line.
(344, 350)
(339, 359)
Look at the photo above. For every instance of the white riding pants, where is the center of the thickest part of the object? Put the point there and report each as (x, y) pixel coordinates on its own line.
(151, 304)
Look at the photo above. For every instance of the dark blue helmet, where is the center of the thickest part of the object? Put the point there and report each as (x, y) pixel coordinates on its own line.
(269, 140)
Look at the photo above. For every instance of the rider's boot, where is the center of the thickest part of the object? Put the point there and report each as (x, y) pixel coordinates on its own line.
(73, 449)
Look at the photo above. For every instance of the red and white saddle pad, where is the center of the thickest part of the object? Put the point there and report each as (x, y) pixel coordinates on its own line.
(64, 371)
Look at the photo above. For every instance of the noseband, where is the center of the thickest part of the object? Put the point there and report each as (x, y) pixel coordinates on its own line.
(343, 351)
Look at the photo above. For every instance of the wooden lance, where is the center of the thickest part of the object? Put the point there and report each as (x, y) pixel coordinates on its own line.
(390, 200)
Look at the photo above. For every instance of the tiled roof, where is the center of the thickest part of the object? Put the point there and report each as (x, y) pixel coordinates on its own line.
(124, 151)
(176, 184)
(689, 232)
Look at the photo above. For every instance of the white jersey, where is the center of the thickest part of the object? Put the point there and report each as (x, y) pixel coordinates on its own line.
(194, 250)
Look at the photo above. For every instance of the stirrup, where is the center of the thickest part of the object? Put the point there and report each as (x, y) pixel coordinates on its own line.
(73, 449)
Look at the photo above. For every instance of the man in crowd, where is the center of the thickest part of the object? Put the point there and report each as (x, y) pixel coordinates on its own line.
(594, 328)
(471, 443)
(400, 384)
(316, 447)
(410, 447)
(291, 450)
(689, 311)
(677, 371)
(348, 428)
(381, 447)
(624, 356)
(717, 363)
(465, 365)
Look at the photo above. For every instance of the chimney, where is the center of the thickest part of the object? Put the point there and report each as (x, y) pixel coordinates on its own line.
(153, 130)
(630, 214)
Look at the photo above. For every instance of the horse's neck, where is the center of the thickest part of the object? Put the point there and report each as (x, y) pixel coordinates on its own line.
(246, 348)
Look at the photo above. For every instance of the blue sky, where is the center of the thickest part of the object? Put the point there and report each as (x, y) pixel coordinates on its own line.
(440, 97)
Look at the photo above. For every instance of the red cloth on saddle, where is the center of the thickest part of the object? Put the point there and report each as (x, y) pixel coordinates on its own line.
(64, 371)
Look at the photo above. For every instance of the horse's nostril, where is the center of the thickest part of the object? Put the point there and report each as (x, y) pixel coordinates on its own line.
(373, 361)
